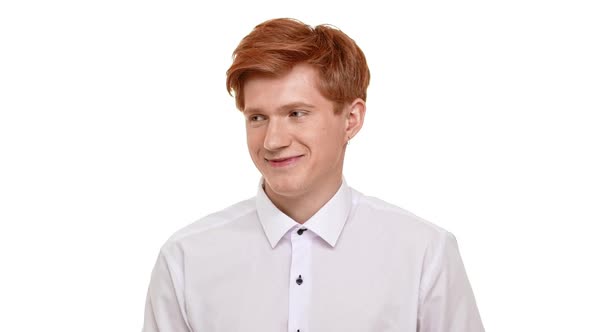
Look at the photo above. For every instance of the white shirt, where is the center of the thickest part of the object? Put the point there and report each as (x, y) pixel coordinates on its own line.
(359, 264)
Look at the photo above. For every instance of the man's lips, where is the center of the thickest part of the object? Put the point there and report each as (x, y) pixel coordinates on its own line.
(281, 162)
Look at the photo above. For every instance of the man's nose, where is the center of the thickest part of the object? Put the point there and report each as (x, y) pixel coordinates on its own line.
(277, 135)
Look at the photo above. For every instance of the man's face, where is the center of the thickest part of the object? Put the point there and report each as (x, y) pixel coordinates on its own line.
(294, 137)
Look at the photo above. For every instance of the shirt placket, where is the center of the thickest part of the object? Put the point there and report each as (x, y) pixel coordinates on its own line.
(300, 280)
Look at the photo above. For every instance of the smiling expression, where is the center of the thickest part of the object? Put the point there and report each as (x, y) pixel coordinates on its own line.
(295, 138)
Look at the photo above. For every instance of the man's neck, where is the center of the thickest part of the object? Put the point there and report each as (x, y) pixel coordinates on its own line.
(302, 207)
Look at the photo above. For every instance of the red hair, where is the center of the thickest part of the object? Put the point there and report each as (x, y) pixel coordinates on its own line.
(275, 46)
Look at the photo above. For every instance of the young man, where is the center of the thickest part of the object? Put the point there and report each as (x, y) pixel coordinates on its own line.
(308, 253)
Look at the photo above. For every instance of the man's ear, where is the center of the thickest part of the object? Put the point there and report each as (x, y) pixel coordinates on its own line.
(355, 116)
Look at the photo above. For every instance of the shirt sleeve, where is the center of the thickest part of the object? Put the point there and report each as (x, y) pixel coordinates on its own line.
(447, 303)
(165, 306)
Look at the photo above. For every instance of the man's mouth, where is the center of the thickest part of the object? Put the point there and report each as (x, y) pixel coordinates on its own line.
(282, 162)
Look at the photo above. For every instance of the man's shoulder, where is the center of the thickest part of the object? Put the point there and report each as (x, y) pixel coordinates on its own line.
(221, 219)
(398, 219)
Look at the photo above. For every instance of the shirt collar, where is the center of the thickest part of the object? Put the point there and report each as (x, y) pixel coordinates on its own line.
(327, 223)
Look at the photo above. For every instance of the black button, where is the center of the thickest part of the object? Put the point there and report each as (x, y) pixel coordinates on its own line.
(301, 230)
(299, 281)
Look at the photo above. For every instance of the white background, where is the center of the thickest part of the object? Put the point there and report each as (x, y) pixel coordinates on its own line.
(116, 130)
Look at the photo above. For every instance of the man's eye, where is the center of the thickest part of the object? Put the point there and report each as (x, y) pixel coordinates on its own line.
(297, 114)
(256, 118)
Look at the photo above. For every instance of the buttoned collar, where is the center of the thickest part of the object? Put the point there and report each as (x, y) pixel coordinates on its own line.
(327, 223)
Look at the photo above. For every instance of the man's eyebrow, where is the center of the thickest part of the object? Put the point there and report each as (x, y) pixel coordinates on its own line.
(283, 108)
(298, 104)
(251, 110)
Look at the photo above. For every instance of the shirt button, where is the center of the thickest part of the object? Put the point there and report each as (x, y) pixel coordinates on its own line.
(301, 230)
(299, 281)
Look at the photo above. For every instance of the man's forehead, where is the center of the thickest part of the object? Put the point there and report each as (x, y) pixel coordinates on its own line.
(297, 87)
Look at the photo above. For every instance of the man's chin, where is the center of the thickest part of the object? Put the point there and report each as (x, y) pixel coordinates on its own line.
(282, 187)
